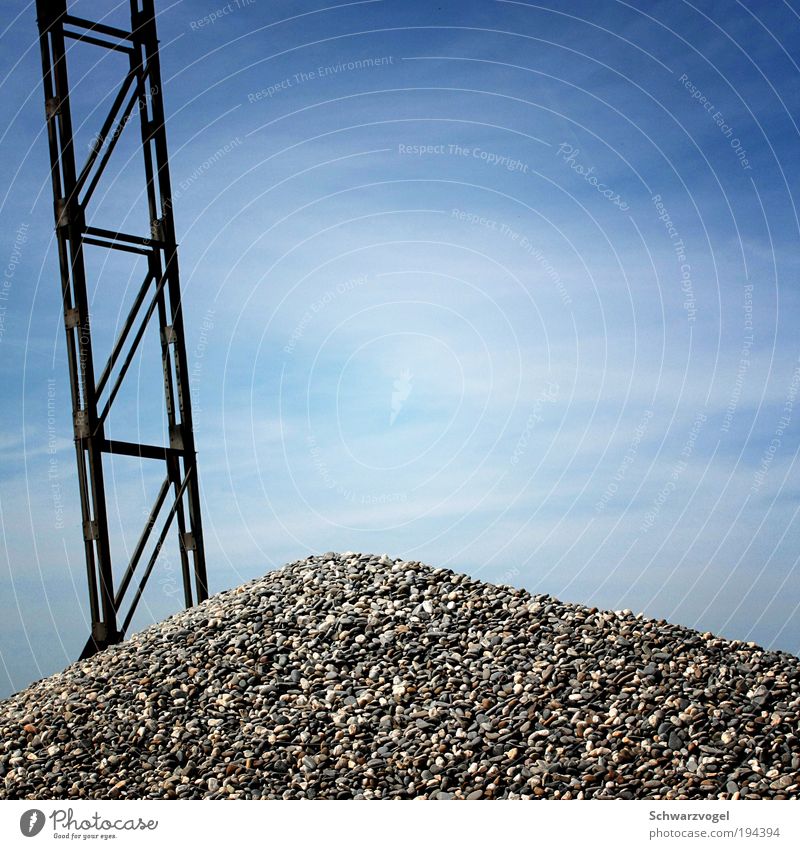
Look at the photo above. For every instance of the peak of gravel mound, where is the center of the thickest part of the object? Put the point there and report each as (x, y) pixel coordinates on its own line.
(356, 676)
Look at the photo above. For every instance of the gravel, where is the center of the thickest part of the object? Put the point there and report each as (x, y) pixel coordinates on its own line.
(356, 676)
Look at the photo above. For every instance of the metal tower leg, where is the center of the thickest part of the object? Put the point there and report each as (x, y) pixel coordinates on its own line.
(158, 300)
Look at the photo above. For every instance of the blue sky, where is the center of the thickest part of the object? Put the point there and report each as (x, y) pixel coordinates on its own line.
(499, 286)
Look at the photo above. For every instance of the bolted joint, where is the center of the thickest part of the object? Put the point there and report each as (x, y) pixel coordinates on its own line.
(176, 437)
(62, 212)
(52, 107)
(90, 531)
(99, 632)
(80, 422)
(148, 128)
(72, 318)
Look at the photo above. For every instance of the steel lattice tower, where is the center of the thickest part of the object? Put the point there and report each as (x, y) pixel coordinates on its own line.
(158, 301)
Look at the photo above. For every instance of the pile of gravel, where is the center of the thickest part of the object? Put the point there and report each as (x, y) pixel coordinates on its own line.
(355, 676)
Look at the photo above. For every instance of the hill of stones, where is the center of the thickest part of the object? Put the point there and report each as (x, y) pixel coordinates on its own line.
(357, 676)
